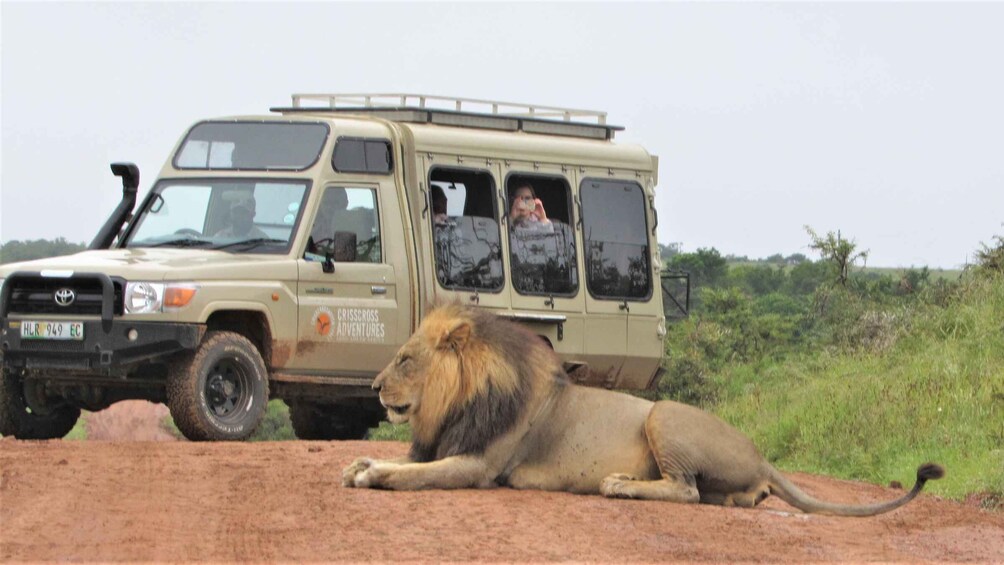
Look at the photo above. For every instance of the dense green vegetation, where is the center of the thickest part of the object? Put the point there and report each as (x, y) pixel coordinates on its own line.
(863, 376)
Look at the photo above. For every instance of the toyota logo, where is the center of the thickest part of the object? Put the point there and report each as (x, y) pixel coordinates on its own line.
(64, 296)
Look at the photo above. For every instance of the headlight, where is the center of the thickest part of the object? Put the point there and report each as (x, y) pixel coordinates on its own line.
(144, 297)
(150, 297)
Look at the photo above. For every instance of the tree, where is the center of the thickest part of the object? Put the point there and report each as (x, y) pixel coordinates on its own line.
(707, 267)
(840, 253)
(990, 258)
(15, 250)
(669, 251)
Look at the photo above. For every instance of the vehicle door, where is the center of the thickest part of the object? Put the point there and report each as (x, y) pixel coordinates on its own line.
(543, 252)
(617, 271)
(348, 311)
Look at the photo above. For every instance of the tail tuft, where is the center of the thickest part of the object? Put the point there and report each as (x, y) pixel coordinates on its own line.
(929, 472)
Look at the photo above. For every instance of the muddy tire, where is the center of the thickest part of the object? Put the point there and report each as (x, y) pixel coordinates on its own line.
(220, 392)
(316, 421)
(22, 421)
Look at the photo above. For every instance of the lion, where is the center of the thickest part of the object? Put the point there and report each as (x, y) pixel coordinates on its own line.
(490, 405)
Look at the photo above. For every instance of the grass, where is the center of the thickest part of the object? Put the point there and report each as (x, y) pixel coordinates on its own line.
(79, 431)
(935, 395)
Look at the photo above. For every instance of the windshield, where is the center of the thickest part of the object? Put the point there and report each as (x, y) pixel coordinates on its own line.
(238, 215)
(252, 146)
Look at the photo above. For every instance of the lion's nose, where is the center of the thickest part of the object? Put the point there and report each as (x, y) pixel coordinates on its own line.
(377, 386)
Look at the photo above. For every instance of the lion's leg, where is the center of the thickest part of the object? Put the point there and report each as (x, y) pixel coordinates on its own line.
(448, 473)
(740, 499)
(668, 488)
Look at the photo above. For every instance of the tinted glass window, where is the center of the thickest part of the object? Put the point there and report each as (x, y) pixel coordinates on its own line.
(251, 146)
(361, 156)
(541, 241)
(468, 249)
(350, 211)
(616, 239)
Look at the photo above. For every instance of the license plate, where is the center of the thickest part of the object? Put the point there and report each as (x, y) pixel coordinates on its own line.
(40, 329)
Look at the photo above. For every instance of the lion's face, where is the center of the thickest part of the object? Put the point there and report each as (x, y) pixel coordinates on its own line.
(401, 383)
(425, 375)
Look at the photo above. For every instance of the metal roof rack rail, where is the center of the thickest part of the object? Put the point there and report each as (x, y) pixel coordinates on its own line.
(462, 112)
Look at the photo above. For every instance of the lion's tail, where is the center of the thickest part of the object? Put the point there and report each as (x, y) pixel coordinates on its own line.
(788, 492)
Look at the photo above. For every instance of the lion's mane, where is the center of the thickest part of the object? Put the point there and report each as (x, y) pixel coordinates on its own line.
(477, 390)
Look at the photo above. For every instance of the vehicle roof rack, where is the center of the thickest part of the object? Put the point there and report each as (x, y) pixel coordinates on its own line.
(461, 112)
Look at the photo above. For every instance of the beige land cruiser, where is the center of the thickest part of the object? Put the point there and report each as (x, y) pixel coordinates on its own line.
(289, 255)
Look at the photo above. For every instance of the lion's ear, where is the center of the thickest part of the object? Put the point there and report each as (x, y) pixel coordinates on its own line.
(456, 336)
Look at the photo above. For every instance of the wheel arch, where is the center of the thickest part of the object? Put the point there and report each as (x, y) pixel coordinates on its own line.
(250, 320)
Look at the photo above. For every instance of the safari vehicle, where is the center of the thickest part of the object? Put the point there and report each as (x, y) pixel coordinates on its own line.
(289, 255)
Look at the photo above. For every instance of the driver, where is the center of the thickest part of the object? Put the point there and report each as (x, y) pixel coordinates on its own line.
(242, 214)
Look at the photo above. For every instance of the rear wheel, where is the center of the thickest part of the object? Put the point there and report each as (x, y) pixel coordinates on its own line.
(220, 393)
(25, 414)
(339, 421)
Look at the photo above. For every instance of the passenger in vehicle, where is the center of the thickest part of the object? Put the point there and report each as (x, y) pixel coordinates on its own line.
(242, 214)
(439, 216)
(526, 211)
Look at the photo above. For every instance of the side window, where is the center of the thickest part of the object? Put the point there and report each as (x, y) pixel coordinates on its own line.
(616, 239)
(541, 238)
(356, 155)
(465, 229)
(347, 216)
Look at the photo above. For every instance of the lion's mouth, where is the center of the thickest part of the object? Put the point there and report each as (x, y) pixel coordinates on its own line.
(399, 410)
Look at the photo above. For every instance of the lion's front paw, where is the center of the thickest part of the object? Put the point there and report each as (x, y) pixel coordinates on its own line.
(357, 467)
(375, 475)
(616, 486)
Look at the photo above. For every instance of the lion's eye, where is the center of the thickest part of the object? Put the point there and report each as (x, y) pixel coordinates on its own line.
(404, 359)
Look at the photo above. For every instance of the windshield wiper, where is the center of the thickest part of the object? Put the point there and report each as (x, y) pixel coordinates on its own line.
(179, 242)
(253, 242)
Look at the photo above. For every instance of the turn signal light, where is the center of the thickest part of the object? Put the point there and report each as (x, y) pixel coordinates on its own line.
(178, 296)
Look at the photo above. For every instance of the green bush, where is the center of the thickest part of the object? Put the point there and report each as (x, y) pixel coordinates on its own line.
(275, 426)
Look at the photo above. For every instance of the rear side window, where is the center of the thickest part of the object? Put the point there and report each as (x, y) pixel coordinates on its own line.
(252, 146)
(615, 231)
(541, 237)
(356, 155)
(468, 249)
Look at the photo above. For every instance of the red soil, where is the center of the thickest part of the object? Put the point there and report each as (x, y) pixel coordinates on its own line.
(181, 501)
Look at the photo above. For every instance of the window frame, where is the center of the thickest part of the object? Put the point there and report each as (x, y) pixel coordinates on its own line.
(364, 140)
(317, 158)
(648, 242)
(493, 189)
(571, 224)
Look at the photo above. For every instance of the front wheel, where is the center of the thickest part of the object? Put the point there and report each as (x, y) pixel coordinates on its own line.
(42, 418)
(220, 393)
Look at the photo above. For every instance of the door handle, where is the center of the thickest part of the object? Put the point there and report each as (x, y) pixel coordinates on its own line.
(378, 289)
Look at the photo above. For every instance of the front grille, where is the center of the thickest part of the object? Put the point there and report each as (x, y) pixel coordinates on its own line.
(36, 295)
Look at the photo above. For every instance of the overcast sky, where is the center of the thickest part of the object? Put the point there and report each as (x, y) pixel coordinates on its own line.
(884, 121)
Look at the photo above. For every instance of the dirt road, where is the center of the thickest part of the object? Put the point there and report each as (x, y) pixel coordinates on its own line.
(181, 501)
